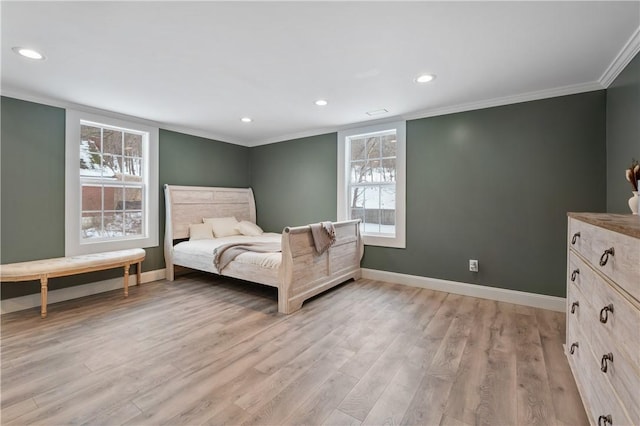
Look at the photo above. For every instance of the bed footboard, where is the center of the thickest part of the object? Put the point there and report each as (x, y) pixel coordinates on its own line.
(304, 273)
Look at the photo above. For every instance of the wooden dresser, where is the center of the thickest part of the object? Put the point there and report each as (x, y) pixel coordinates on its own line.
(603, 315)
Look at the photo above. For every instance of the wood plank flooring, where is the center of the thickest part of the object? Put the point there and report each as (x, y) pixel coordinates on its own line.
(207, 350)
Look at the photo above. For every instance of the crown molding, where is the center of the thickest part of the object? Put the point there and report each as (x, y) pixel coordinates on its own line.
(39, 99)
(324, 131)
(202, 134)
(434, 112)
(23, 95)
(508, 100)
(292, 136)
(626, 54)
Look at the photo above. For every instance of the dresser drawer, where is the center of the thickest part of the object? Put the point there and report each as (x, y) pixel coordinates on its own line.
(617, 320)
(621, 266)
(604, 303)
(579, 310)
(597, 393)
(603, 400)
(578, 351)
(621, 372)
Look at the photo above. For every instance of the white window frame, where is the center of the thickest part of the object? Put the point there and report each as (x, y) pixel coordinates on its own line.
(382, 240)
(74, 244)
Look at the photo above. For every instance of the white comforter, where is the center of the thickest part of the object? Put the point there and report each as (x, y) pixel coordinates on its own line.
(198, 254)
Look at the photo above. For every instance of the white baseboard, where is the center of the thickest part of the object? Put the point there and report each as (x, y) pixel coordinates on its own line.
(53, 296)
(156, 275)
(542, 301)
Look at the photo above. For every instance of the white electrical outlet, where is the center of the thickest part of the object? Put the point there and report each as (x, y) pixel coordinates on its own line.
(473, 265)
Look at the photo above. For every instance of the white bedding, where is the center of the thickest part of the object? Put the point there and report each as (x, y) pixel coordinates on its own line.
(198, 254)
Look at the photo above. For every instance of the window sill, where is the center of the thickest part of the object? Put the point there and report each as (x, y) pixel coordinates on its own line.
(380, 241)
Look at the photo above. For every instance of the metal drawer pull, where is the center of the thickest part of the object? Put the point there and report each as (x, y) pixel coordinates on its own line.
(574, 274)
(603, 362)
(604, 420)
(573, 347)
(574, 305)
(605, 256)
(575, 237)
(604, 313)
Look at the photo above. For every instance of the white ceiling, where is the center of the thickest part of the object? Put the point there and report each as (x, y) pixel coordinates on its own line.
(199, 67)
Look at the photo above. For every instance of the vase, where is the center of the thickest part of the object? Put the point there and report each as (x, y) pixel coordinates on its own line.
(633, 202)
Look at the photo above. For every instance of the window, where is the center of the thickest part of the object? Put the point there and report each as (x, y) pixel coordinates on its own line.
(371, 182)
(111, 184)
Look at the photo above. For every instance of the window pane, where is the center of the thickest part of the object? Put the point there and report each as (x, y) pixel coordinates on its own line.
(90, 162)
(356, 199)
(112, 141)
(133, 223)
(388, 197)
(389, 145)
(91, 225)
(133, 198)
(372, 216)
(358, 170)
(111, 166)
(388, 170)
(373, 147)
(357, 149)
(91, 197)
(113, 198)
(132, 145)
(132, 169)
(357, 214)
(375, 171)
(113, 224)
(90, 136)
(372, 197)
(388, 209)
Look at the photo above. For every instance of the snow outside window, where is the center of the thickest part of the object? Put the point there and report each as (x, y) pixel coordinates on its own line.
(371, 181)
(111, 184)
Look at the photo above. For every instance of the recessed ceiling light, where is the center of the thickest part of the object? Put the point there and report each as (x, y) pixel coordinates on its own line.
(246, 120)
(28, 53)
(321, 102)
(425, 78)
(377, 112)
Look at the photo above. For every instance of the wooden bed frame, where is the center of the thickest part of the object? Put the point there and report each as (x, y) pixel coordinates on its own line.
(302, 274)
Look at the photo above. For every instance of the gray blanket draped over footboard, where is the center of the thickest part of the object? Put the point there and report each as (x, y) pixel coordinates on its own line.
(224, 254)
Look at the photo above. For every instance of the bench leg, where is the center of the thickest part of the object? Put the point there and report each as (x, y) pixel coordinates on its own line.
(139, 272)
(126, 280)
(43, 296)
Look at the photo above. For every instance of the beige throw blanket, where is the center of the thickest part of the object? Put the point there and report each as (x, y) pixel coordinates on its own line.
(324, 235)
(224, 254)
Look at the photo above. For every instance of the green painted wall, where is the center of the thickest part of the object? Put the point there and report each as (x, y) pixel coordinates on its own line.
(623, 134)
(295, 182)
(492, 184)
(32, 179)
(495, 185)
(191, 160)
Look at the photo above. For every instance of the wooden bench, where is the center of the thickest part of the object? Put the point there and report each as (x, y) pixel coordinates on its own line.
(64, 266)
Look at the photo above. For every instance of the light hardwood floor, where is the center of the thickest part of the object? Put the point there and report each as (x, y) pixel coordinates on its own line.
(207, 350)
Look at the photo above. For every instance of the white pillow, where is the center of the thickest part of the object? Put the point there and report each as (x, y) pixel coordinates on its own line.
(200, 231)
(249, 228)
(223, 226)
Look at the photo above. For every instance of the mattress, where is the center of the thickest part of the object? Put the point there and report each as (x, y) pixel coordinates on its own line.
(198, 254)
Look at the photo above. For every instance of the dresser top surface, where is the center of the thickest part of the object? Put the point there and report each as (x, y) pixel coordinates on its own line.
(626, 224)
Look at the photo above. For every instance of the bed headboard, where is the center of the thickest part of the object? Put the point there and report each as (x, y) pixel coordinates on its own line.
(189, 204)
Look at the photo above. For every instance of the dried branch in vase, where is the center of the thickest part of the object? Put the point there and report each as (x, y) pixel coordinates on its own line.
(633, 174)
